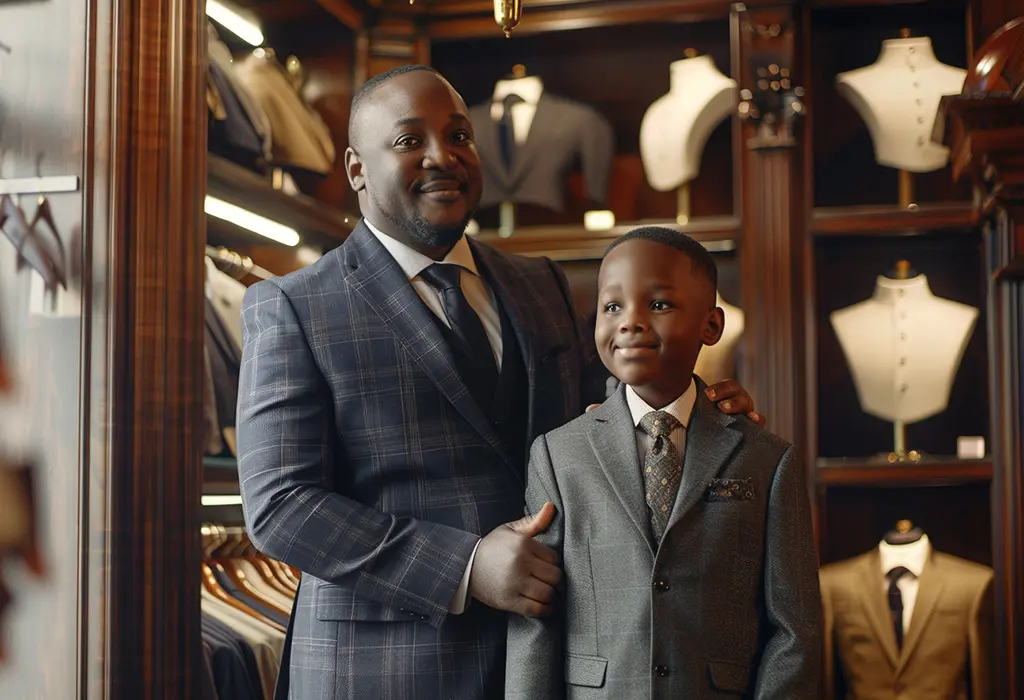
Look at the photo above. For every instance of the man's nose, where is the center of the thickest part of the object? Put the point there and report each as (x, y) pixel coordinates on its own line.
(438, 155)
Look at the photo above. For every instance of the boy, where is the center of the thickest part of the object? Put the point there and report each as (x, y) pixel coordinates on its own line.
(685, 533)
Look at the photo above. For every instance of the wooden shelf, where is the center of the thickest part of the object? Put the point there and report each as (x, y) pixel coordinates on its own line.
(935, 471)
(717, 233)
(893, 220)
(313, 219)
(221, 464)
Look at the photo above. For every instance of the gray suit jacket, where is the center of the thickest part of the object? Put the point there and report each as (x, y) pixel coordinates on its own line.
(727, 606)
(365, 462)
(561, 132)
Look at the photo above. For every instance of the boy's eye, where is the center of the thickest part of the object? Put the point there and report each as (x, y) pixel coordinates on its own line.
(661, 305)
(611, 307)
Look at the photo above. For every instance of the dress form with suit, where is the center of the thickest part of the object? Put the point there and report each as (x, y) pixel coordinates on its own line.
(725, 604)
(947, 625)
(366, 461)
(549, 135)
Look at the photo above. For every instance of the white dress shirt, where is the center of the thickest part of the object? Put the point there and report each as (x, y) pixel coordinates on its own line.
(681, 409)
(913, 556)
(480, 297)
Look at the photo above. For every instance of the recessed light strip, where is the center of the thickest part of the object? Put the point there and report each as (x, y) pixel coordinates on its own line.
(254, 222)
(245, 29)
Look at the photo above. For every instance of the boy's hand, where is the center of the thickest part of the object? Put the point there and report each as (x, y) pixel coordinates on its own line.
(513, 572)
(733, 398)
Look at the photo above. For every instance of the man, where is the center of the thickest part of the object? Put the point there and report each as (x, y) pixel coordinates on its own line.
(387, 399)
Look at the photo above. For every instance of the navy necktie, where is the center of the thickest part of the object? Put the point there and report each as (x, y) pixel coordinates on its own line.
(465, 323)
(507, 130)
(896, 602)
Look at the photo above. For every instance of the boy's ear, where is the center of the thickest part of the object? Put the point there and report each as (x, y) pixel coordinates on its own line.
(713, 326)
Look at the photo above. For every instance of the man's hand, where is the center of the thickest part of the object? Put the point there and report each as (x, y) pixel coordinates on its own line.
(513, 572)
(732, 398)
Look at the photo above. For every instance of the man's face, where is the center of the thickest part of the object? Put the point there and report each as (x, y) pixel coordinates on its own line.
(654, 313)
(415, 165)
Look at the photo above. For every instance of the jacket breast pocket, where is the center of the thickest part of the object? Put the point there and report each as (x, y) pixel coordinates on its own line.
(337, 604)
(584, 670)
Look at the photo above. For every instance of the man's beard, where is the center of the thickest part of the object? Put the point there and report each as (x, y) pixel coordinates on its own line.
(422, 231)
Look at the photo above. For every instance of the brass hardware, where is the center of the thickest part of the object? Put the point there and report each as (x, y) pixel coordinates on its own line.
(508, 13)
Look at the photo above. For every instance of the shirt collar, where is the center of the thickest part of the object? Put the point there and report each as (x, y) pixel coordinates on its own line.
(414, 262)
(681, 409)
(913, 556)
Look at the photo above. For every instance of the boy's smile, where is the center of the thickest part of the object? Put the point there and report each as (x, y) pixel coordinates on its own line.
(655, 312)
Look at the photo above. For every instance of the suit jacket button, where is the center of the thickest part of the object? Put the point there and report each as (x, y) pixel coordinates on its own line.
(661, 670)
(424, 617)
(661, 586)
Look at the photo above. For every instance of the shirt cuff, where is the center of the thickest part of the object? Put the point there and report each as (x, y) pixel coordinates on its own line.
(459, 602)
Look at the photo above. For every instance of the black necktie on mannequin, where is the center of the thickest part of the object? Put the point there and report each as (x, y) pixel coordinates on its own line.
(506, 130)
(896, 602)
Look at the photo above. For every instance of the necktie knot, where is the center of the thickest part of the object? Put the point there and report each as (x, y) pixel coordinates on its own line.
(896, 573)
(443, 277)
(659, 424)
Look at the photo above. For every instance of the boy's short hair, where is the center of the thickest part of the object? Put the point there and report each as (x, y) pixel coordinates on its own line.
(698, 254)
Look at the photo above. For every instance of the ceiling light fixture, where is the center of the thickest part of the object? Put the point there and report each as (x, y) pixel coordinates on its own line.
(232, 20)
(253, 222)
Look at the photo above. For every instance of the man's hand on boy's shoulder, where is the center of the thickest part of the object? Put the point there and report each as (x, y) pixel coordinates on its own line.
(730, 397)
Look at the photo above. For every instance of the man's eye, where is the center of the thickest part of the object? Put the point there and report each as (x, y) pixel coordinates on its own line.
(407, 142)
(461, 137)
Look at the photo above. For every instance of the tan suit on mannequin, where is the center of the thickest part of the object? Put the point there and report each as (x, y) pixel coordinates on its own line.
(947, 649)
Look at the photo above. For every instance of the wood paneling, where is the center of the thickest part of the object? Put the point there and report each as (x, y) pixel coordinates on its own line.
(155, 247)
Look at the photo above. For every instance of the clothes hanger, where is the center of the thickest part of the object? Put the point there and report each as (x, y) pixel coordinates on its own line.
(213, 587)
(245, 551)
(903, 533)
(233, 572)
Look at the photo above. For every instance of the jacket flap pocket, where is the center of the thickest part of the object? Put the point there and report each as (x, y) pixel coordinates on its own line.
(583, 670)
(729, 677)
(335, 603)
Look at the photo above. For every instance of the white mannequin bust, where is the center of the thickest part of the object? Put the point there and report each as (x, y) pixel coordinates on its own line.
(530, 88)
(904, 346)
(676, 126)
(898, 97)
(718, 362)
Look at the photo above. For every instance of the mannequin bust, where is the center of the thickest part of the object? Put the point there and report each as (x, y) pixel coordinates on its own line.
(676, 126)
(529, 88)
(904, 346)
(897, 97)
(718, 362)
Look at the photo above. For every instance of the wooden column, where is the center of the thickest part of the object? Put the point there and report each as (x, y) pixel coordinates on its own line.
(147, 150)
(772, 245)
(986, 138)
(387, 43)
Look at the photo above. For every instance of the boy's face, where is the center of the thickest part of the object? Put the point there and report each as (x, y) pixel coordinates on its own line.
(654, 313)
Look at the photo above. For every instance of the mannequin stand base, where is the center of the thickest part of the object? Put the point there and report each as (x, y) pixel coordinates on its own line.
(912, 457)
(506, 219)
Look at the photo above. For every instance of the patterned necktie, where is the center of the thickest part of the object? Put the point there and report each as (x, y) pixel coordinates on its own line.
(896, 602)
(506, 130)
(663, 468)
(466, 324)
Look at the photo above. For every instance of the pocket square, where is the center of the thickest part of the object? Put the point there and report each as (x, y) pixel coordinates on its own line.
(730, 489)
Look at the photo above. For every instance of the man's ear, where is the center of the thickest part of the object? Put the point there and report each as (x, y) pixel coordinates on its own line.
(354, 170)
(713, 326)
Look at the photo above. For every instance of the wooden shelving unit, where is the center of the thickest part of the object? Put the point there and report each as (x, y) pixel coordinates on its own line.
(935, 471)
(892, 221)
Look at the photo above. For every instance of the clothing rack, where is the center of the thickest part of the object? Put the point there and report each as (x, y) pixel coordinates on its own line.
(236, 264)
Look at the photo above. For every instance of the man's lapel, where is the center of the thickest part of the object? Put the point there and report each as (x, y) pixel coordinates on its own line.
(380, 281)
(872, 593)
(710, 442)
(503, 283)
(929, 590)
(613, 438)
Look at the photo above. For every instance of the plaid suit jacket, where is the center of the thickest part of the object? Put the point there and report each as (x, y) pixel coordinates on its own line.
(365, 463)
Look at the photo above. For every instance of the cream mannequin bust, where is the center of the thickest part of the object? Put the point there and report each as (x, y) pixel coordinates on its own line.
(897, 97)
(676, 126)
(530, 88)
(904, 346)
(718, 362)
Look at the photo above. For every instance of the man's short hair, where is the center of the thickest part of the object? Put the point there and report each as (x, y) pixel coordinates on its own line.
(698, 254)
(371, 85)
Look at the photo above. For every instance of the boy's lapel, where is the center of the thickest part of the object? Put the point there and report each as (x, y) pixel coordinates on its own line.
(613, 438)
(709, 444)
